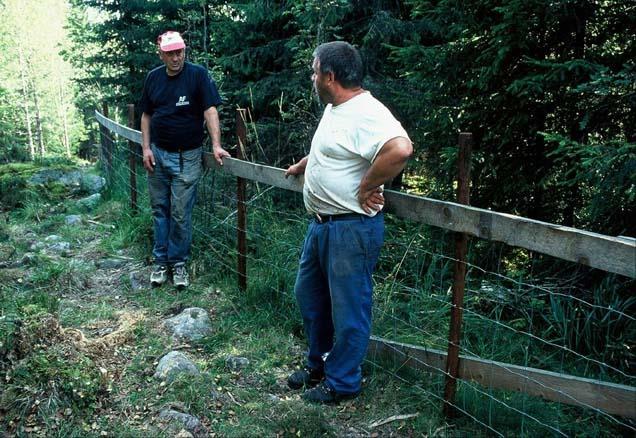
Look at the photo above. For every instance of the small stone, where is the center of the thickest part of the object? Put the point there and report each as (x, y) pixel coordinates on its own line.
(138, 281)
(190, 425)
(73, 219)
(273, 398)
(235, 363)
(90, 202)
(110, 263)
(192, 324)
(6, 252)
(60, 247)
(173, 365)
(27, 259)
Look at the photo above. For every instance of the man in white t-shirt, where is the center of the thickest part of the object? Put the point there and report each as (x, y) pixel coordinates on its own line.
(357, 147)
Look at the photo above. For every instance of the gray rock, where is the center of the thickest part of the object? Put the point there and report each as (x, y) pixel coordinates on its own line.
(173, 365)
(73, 219)
(178, 420)
(27, 259)
(90, 202)
(36, 246)
(52, 238)
(192, 324)
(273, 398)
(92, 183)
(46, 175)
(110, 263)
(236, 363)
(138, 280)
(6, 252)
(72, 178)
(79, 264)
(60, 247)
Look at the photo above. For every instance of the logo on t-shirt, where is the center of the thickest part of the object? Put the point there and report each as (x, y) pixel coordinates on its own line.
(182, 101)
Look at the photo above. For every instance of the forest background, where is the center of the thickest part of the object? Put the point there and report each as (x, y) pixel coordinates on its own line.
(547, 88)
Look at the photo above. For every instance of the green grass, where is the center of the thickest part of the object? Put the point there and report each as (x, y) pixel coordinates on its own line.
(263, 324)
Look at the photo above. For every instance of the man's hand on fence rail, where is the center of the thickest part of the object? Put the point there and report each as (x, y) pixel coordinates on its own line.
(297, 169)
(219, 154)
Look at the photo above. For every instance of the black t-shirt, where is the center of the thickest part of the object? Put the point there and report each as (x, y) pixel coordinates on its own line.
(176, 105)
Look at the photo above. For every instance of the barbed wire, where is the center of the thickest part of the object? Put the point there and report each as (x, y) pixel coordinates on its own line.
(260, 203)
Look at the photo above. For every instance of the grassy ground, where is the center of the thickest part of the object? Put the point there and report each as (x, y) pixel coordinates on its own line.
(79, 345)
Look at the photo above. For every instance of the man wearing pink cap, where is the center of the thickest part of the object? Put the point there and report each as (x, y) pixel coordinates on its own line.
(178, 100)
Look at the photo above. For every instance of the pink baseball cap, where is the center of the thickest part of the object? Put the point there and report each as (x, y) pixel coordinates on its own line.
(170, 41)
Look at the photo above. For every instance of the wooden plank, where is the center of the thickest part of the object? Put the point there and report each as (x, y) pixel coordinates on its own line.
(261, 173)
(610, 254)
(123, 131)
(612, 398)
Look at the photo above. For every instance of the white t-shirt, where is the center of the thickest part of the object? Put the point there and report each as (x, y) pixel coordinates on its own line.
(345, 144)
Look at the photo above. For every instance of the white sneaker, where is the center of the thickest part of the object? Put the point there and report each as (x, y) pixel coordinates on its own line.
(159, 275)
(180, 276)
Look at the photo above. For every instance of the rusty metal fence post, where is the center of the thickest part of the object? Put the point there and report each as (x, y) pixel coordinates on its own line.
(241, 133)
(459, 276)
(132, 160)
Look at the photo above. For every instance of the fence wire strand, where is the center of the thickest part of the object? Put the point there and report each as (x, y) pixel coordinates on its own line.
(405, 287)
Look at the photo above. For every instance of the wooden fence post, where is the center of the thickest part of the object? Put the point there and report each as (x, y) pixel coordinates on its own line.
(241, 133)
(461, 247)
(132, 161)
(107, 149)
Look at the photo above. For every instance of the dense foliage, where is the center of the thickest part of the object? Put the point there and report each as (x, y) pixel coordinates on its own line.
(37, 115)
(546, 88)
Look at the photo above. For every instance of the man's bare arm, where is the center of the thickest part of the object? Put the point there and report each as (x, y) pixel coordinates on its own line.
(211, 116)
(387, 164)
(148, 157)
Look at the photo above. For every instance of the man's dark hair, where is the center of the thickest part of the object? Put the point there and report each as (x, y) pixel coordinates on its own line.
(343, 60)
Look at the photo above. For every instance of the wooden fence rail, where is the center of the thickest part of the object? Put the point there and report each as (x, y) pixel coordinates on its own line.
(611, 254)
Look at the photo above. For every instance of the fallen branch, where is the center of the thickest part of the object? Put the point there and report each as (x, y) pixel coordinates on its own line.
(393, 418)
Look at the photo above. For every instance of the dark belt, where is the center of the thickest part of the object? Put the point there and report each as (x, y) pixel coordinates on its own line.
(322, 218)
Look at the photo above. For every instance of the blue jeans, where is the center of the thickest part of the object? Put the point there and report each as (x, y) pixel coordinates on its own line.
(334, 290)
(172, 188)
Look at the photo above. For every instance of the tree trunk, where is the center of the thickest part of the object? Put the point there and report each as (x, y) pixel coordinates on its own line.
(38, 122)
(64, 119)
(25, 103)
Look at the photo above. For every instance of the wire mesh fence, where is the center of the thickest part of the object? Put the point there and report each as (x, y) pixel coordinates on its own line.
(534, 326)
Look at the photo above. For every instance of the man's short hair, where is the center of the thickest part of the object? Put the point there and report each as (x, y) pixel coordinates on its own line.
(343, 60)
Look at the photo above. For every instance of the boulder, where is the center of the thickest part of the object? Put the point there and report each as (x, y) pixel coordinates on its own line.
(179, 421)
(90, 202)
(192, 324)
(173, 365)
(92, 183)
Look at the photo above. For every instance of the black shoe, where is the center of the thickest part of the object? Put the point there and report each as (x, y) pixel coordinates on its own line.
(307, 377)
(323, 394)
